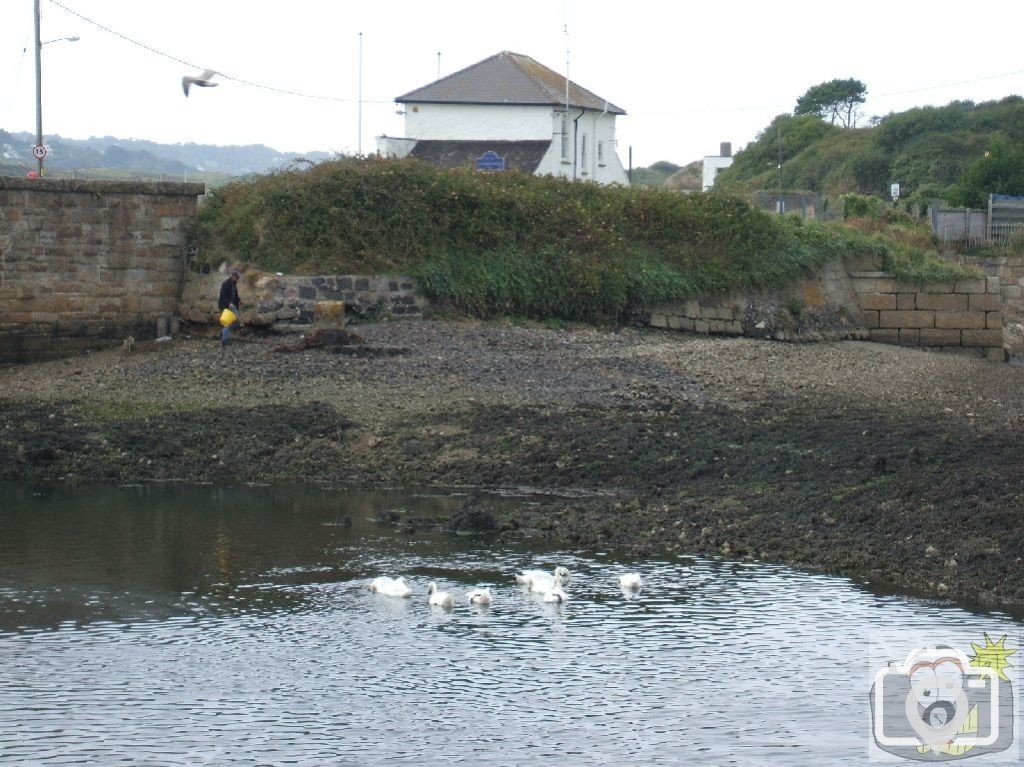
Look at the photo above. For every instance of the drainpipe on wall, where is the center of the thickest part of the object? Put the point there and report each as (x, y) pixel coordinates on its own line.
(575, 140)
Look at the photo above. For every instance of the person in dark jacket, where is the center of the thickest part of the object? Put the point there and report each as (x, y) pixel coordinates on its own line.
(229, 299)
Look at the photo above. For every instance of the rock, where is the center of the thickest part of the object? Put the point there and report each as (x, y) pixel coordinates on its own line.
(387, 517)
(931, 551)
(472, 519)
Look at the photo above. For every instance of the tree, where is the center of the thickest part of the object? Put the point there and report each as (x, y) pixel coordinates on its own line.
(999, 171)
(834, 100)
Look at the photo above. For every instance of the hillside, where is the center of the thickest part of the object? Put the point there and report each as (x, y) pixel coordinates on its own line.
(138, 158)
(932, 152)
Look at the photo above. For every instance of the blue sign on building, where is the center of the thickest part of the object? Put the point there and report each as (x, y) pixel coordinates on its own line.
(490, 161)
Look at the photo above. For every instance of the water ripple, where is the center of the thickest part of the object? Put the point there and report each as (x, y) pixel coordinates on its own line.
(286, 658)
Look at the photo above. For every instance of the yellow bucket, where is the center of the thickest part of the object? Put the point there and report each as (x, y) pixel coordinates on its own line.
(228, 317)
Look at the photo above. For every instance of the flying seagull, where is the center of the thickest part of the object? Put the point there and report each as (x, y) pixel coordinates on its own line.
(203, 81)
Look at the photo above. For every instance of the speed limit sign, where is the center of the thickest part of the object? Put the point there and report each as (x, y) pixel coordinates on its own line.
(39, 151)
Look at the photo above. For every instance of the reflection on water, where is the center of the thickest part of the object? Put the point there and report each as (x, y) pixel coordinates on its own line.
(202, 625)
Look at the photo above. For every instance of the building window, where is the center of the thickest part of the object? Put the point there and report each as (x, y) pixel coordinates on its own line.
(583, 152)
(600, 153)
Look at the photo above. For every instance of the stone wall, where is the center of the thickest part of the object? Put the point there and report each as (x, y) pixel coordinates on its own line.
(961, 317)
(85, 262)
(281, 302)
(821, 307)
(854, 299)
(1009, 270)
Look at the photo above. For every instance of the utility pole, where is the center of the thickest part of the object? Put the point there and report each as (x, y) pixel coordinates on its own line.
(359, 133)
(39, 91)
(782, 203)
(780, 161)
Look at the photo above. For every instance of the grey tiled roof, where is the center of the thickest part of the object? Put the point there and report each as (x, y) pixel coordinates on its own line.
(524, 156)
(507, 78)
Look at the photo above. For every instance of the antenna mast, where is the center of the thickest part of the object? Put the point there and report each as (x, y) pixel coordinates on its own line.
(359, 131)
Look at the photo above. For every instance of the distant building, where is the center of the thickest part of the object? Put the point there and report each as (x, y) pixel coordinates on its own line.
(509, 112)
(714, 163)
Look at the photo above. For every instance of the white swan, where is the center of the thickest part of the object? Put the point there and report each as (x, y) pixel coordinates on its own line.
(555, 594)
(630, 581)
(390, 587)
(439, 598)
(479, 596)
(541, 581)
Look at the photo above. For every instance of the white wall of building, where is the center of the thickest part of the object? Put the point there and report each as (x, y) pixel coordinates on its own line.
(591, 141)
(477, 122)
(713, 164)
(588, 152)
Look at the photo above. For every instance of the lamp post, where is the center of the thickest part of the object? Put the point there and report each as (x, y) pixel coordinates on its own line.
(40, 153)
(39, 89)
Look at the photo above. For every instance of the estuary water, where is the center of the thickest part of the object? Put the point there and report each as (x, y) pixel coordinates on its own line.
(185, 625)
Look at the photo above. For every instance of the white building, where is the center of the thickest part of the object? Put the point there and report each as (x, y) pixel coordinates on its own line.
(715, 163)
(509, 112)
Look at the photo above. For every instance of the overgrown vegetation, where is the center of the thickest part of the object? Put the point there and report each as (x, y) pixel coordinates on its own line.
(957, 153)
(654, 175)
(513, 244)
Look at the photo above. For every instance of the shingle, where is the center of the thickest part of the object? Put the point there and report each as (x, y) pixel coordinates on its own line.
(507, 78)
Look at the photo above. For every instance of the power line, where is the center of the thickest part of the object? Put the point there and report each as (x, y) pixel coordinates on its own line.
(238, 80)
(954, 84)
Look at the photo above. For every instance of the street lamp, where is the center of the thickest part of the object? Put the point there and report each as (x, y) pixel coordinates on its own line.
(40, 152)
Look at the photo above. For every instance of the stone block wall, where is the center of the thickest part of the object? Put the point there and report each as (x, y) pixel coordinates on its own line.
(83, 263)
(856, 300)
(283, 302)
(821, 307)
(1009, 270)
(961, 317)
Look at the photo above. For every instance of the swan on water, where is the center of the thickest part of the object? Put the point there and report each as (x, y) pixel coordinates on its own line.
(479, 596)
(540, 580)
(630, 581)
(555, 594)
(390, 587)
(439, 598)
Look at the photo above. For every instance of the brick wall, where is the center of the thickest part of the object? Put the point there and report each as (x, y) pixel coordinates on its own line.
(86, 262)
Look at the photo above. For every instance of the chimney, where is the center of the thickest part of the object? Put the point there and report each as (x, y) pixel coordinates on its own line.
(725, 150)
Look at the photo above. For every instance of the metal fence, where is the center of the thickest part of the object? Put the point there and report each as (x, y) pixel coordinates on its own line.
(1001, 224)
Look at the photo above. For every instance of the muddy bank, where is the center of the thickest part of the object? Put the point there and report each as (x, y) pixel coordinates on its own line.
(891, 465)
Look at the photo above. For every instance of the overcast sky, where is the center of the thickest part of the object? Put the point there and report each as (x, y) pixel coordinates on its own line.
(690, 75)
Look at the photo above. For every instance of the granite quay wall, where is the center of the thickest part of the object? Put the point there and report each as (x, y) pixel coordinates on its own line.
(822, 307)
(83, 263)
(281, 302)
(855, 299)
(1009, 271)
